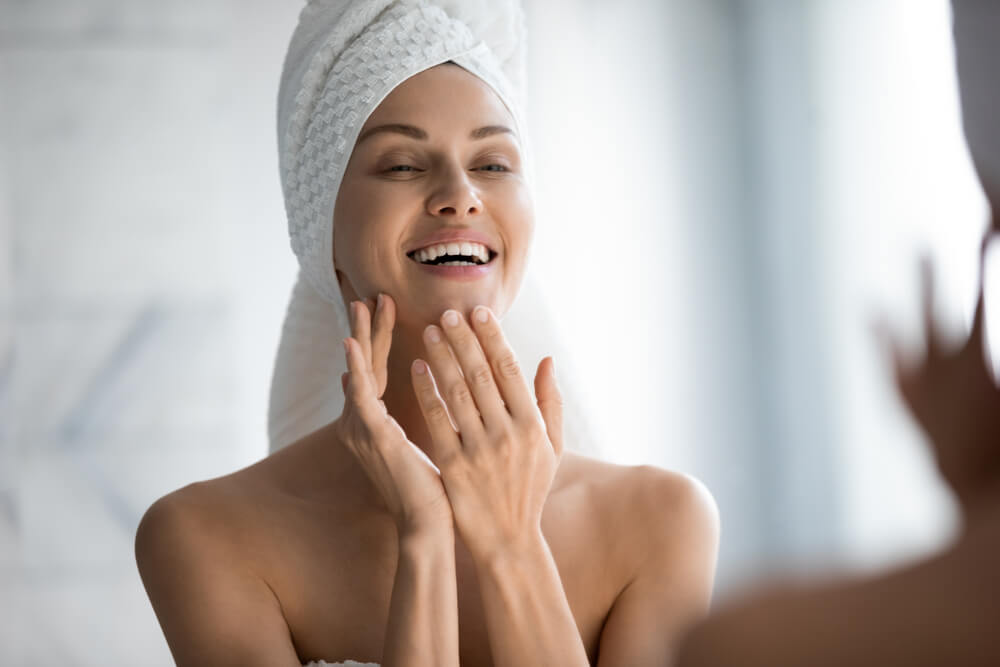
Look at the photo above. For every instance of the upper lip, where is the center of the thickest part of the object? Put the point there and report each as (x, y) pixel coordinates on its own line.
(452, 236)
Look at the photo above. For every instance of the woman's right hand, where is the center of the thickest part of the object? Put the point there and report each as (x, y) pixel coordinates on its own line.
(951, 393)
(408, 482)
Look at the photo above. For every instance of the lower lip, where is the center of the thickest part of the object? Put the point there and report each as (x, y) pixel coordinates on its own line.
(458, 272)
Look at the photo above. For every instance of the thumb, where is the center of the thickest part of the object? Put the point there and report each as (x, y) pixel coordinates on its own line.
(550, 402)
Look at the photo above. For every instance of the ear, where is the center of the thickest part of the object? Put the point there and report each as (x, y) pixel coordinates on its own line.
(550, 402)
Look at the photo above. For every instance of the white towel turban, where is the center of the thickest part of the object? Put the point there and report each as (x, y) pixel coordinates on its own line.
(344, 58)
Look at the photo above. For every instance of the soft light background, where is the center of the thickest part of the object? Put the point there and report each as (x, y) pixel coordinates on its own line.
(728, 192)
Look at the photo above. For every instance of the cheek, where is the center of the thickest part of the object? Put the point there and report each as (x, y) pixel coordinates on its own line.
(519, 214)
(366, 220)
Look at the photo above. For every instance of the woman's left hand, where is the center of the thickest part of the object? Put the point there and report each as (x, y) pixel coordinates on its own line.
(498, 467)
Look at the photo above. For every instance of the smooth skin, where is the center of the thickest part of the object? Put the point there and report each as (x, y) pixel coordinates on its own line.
(440, 520)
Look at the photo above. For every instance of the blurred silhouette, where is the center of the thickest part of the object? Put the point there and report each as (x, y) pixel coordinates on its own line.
(944, 610)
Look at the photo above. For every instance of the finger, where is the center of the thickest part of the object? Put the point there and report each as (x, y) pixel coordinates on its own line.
(550, 402)
(445, 439)
(453, 387)
(979, 316)
(975, 342)
(506, 368)
(385, 320)
(343, 381)
(359, 388)
(476, 369)
(363, 334)
(929, 303)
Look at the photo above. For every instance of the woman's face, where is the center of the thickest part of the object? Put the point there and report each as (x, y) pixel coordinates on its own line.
(436, 164)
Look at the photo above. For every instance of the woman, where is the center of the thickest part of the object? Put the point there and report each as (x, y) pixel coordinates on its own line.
(437, 520)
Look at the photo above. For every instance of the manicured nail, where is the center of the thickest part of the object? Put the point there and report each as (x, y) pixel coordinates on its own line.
(482, 314)
(419, 367)
(378, 305)
(451, 318)
(433, 334)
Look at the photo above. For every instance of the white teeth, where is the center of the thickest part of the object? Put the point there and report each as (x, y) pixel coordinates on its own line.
(464, 248)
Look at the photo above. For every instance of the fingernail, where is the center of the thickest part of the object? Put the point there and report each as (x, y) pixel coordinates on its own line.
(419, 367)
(347, 348)
(482, 314)
(451, 318)
(433, 334)
(378, 305)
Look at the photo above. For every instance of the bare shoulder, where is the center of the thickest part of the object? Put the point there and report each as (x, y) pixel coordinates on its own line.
(645, 505)
(186, 532)
(198, 514)
(656, 533)
(209, 596)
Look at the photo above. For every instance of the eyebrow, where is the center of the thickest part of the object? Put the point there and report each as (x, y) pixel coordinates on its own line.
(416, 133)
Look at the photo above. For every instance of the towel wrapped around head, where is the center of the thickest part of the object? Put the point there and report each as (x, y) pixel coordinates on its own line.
(344, 58)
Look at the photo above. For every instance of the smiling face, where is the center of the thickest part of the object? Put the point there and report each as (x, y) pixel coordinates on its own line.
(437, 165)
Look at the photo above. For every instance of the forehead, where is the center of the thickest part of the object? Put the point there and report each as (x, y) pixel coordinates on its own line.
(443, 97)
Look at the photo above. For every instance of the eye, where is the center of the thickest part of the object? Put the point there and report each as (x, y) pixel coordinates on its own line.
(489, 167)
(401, 167)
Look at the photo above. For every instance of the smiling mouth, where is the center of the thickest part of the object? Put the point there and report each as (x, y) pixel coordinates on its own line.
(453, 260)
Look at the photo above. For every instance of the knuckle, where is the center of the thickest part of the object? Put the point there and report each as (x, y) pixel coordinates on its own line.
(537, 432)
(436, 412)
(459, 393)
(504, 444)
(427, 396)
(508, 366)
(493, 332)
(453, 468)
(462, 338)
(481, 376)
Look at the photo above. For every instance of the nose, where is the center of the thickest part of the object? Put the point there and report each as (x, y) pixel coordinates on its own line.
(455, 196)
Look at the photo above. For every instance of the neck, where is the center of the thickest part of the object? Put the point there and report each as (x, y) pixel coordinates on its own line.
(399, 397)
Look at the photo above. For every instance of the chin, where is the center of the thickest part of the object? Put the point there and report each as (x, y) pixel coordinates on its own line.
(427, 311)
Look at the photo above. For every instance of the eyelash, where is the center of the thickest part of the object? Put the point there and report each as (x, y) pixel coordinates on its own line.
(408, 168)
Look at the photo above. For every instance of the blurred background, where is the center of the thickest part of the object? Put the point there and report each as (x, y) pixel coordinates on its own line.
(728, 192)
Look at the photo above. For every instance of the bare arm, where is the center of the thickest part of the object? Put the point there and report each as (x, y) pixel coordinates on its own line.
(528, 617)
(213, 611)
(939, 612)
(674, 526)
(423, 613)
(672, 586)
